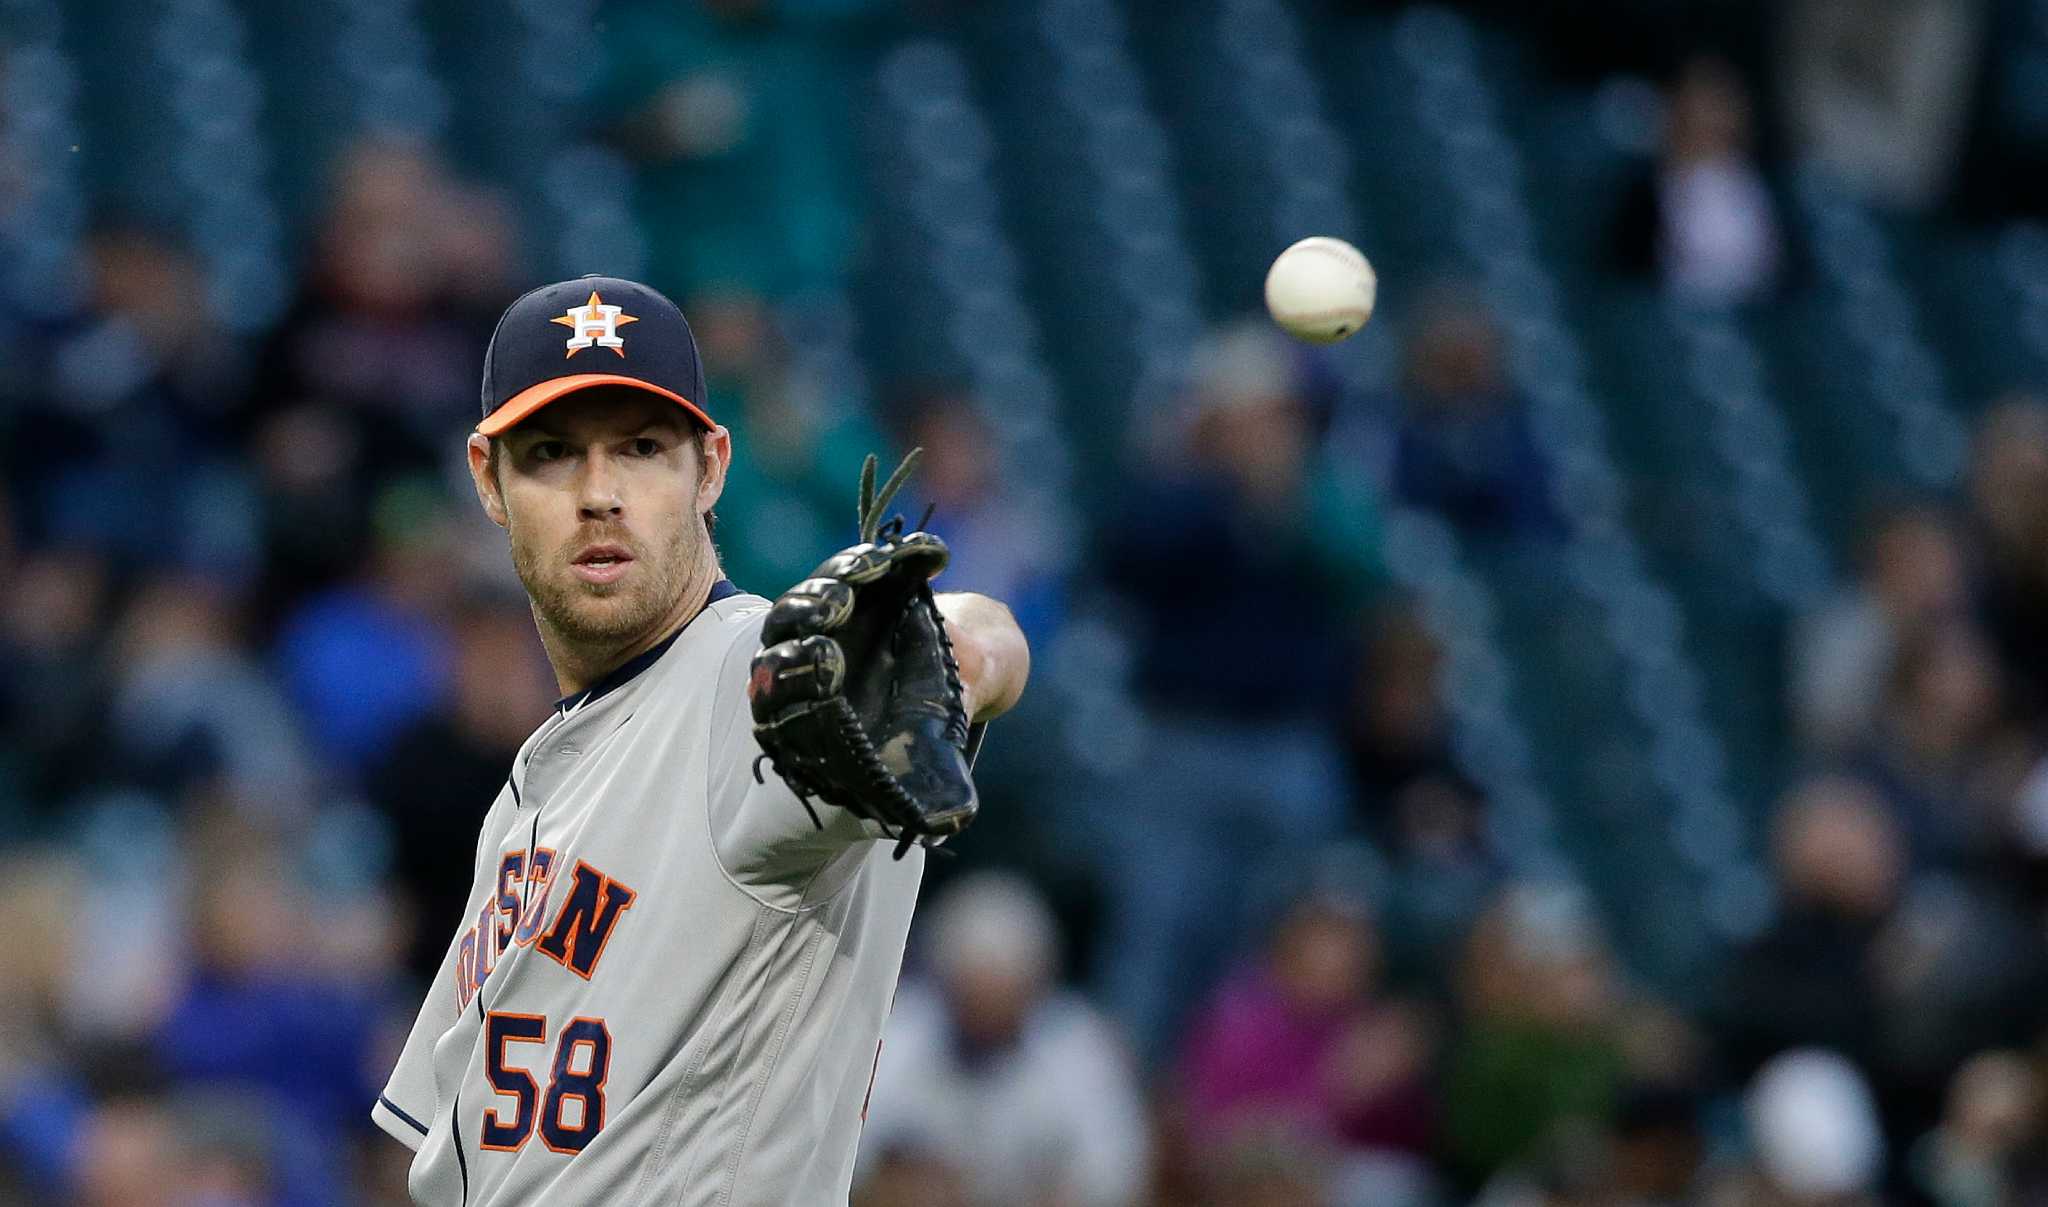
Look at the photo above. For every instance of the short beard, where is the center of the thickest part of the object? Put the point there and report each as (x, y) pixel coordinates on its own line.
(563, 605)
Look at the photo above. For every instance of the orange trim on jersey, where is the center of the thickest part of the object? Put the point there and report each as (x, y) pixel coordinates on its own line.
(533, 914)
(465, 965)
(491, 1118)
(606, 887)
(593, 1102)
(511, 865)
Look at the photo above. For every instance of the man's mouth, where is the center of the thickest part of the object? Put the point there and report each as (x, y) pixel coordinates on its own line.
(601, 563)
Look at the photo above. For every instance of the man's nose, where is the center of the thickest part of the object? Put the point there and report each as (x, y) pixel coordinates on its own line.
(598, 497)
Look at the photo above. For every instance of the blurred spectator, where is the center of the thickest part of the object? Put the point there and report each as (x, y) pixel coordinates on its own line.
(289, 1037)
(1880, 95)
(146, 285)
(1426, 818)
(1231, 591)
(2008, 488)
(408, 268)
(737, 119)
(1539, 1048)
(1702, 219)
(365, 659)
(189, 705)
(1302, 1037)
(1225, 499)
(1444, 868)
(230, 1149)
(126, 956)
(53, 694)
(372, 376)
(308, 461)
(798, 446)
(252, 1076)
(1912, 574)
(1023, 1086)
(373, 371)
(445, 769)
(1930, 755)
(1003, 545)
(1398, 729)
(43, 1103)
(1905, 984)
(1811, 977)
(118, 445)
(1464, 449)
(128, 1156)
(212, 1148)
(1990, 1138)
(296, 1027)
(1961, 969)
(1813, 1132)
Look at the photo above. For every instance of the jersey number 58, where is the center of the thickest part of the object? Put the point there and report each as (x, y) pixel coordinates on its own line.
(572, 1112)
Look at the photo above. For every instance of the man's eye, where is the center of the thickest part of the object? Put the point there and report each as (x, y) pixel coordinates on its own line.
(646, 446)
(547, 450)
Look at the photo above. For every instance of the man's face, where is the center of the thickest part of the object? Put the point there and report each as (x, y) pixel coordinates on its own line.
(603, 495)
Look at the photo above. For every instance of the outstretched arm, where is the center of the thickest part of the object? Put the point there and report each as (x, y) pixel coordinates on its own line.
(994, 658)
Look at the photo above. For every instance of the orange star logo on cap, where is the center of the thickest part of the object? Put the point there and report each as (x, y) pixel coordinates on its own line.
(594, 323)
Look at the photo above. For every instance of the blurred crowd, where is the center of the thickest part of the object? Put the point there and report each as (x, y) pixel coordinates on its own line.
(266, 665)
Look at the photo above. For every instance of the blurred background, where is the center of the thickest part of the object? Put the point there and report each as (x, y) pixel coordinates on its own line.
(1583, 742)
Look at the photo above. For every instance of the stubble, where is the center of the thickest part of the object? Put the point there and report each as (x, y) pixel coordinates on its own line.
(596, 617)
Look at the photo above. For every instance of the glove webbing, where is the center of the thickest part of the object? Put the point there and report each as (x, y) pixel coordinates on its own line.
(854, 741)
(956, 718)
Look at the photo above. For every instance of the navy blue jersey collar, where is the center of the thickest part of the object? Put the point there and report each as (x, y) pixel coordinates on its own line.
(624, 672)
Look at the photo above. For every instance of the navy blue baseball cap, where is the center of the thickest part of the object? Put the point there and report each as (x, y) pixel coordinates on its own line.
(592, 331)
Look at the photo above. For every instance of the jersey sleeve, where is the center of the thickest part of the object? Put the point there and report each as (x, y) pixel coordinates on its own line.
(405, 1107)
(764, 837)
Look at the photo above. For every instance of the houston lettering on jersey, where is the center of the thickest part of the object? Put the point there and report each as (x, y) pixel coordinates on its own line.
(592, 904)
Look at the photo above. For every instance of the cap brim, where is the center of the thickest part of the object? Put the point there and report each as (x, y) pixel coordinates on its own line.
(533, 398)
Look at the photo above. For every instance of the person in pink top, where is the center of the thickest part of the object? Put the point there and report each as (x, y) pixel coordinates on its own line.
(1300, 1037)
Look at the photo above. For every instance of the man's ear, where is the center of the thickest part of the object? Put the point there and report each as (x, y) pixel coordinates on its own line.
(717, 446)
(487, 491)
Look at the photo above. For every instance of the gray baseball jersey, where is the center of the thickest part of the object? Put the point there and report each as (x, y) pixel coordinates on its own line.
(670, 985)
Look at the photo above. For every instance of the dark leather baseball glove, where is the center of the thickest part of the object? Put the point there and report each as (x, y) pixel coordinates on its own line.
(855, 692)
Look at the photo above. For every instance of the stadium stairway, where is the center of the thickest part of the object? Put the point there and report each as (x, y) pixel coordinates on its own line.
(1649, 806)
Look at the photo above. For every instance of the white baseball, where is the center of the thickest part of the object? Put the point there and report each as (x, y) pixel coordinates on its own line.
(1321, 289)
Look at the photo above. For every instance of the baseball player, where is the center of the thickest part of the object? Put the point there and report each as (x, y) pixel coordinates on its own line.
(684, 929)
